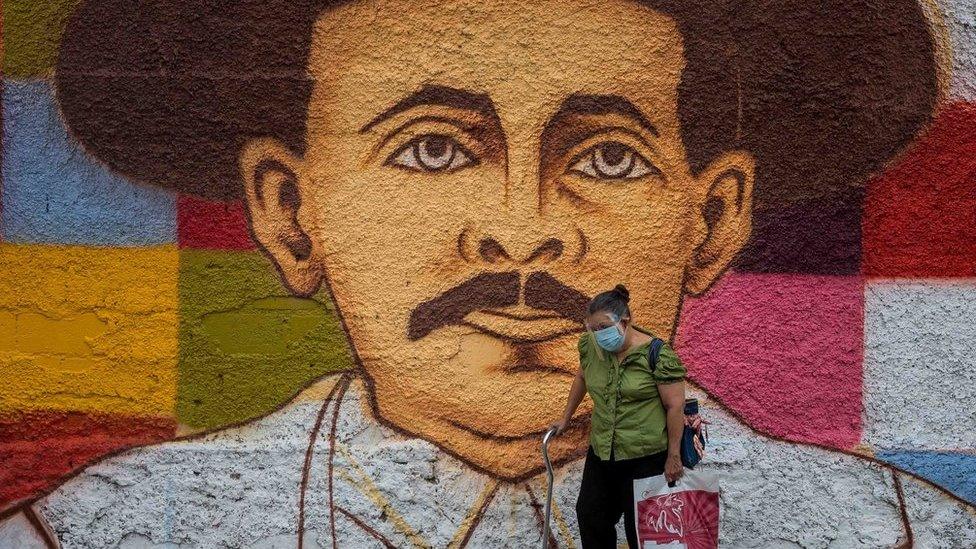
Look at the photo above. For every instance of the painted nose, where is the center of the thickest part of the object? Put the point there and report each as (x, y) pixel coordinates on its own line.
(549, 250)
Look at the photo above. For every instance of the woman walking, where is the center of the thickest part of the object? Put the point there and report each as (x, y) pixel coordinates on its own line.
(637, 418)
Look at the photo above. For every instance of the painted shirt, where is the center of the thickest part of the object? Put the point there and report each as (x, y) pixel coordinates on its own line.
(628, 417)
(325, 472)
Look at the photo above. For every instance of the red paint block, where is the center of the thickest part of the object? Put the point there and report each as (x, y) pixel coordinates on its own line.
(783, 352)
(211, 224)
(920, 215)
(39, 449)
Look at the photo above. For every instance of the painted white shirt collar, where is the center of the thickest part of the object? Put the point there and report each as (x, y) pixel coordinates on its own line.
(404, 492)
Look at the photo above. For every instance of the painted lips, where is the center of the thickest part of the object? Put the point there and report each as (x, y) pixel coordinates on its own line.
(521, 324)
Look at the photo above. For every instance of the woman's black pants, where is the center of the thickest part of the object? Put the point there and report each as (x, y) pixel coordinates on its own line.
(607, 493)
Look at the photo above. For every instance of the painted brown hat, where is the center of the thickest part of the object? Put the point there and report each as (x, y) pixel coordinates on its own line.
(826, 92)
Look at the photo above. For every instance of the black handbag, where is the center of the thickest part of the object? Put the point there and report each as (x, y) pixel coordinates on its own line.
(695, 435)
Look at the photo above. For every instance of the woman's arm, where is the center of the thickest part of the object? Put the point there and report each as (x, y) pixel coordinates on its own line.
(673, 398)
(576, 394)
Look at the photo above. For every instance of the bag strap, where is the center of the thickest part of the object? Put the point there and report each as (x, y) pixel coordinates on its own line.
(653, 352)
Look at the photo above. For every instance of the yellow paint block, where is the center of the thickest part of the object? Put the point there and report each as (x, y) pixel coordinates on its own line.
(88, 329)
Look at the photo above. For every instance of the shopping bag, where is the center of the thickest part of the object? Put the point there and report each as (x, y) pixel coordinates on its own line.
(683, 516)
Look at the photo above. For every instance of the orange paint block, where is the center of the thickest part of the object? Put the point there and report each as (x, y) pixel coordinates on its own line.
(88, 329)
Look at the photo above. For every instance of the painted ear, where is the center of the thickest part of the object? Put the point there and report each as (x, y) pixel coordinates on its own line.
(725, 218)
(270, 174)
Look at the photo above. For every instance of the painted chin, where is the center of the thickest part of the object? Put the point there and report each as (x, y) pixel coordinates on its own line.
(490, 387)
(521, 406)
(499, 436)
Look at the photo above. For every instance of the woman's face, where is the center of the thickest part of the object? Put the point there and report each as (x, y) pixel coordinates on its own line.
(605, 319)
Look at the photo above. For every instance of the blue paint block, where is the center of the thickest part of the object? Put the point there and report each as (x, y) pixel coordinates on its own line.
(954, 471)
(54, 192)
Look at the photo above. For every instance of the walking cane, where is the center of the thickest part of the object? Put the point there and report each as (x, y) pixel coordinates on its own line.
(545, 457)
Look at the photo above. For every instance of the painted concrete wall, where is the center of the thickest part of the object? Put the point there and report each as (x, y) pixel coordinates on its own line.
(312, 272)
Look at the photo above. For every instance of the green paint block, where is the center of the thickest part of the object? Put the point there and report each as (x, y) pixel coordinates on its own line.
(245, 345)
(31, 32)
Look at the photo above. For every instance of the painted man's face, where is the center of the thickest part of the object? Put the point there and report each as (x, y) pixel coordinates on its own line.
(474, 171)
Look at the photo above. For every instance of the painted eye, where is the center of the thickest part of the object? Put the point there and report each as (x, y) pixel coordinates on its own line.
(432, 153)
(613, 160)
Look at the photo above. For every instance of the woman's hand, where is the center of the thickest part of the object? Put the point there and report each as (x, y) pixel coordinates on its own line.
(559, 426)
(673, 469)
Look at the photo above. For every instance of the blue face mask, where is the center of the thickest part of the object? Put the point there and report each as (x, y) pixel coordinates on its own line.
(609, 338)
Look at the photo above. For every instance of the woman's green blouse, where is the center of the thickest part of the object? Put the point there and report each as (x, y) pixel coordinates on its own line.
(628, 416)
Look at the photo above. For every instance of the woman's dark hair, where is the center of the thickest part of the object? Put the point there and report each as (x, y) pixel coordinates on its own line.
(612, 301)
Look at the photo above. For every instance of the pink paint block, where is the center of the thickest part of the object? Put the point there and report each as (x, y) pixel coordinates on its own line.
(782, 351)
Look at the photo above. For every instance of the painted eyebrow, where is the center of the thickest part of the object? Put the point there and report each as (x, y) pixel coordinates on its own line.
(438, 95)
(584, 104)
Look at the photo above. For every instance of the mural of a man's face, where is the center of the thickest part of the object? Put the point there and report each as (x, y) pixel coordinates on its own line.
(473, 171)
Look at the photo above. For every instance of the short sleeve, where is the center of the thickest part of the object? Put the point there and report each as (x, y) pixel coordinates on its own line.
(584, 349)
(669, 367)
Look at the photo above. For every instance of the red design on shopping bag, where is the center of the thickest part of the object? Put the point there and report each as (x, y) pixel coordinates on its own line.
(662, 514)
(686, 515)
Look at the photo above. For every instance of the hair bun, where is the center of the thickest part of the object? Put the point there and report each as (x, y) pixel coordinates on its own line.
(623, 292)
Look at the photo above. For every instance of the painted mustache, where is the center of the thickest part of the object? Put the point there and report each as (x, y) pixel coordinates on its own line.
(495, 290)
